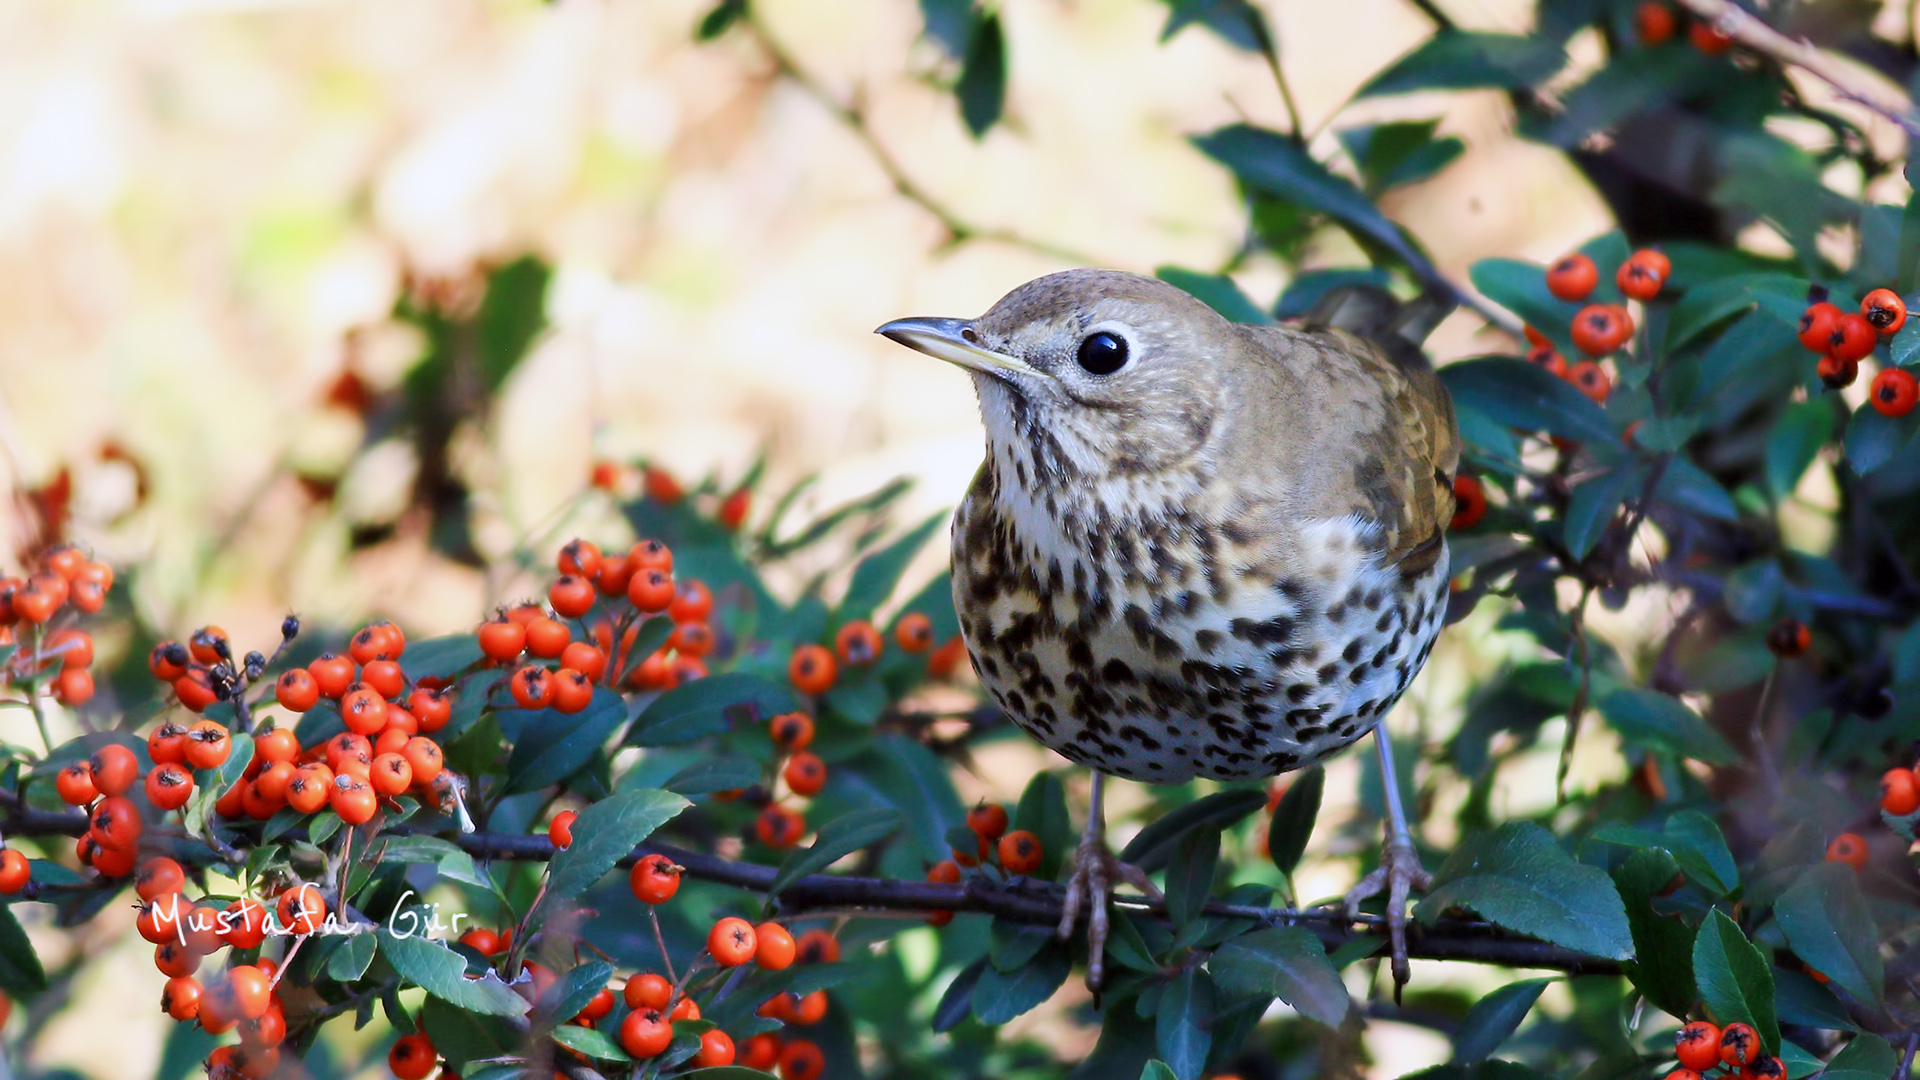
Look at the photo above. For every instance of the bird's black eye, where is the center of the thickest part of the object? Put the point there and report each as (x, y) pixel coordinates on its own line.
(1103, 353)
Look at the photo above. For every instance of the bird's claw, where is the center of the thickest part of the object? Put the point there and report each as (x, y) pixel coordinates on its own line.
(1095, 872)
(1400, 871)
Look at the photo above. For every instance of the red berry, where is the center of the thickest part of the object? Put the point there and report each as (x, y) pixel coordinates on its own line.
(1894, 392)
(1573, 278)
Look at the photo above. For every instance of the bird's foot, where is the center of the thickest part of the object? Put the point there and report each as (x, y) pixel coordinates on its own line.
(1095, 872)
(1399, 872)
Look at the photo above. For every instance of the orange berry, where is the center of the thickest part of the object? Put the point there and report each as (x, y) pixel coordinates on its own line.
(391, 775)
(946, 660)
(277, 744)
(385, 677)
(502, 640)
(1654, 22)
(858, 644)
(209, 645)
(1817, 325)
(812, 669)
(1848, 848)
(1573, 278)
(732, 941)
(75, 784)
(774, 948)
(309, 787)
(805, 773)
(1853, 338)
(413, 1057)
(353, 799)
(167, 661)
(651, 590)
(15, 871)
(779, 828)
(762, 1052)
(1739, 1045)
(645, 1033)
(431, 706)
(818, 947)
(988, 821)
(481, 940)
(207, 746)
(159, 876)
(572, 691)
(533, 687)
(195, 689)
(332, 674)
(174, 959)
(716, 1050)
(585, 659)
(169, 786)
(1885, 311)
(791, 731)
(246, 924)
(1643, 275)
(1599, 329)
(1899, 792)
(1591, 379)
(1894, 392)
(571, 596)
(648, 991)
(1789, 638)
(579, 558)
(1836, 373)
(913, 632)
(1469, 502)
(547, 638)
(364, 710)
(560, 830)
(180, 998)
(114, 769)
(1020, 852)
(301, 909)
(424, 755)
(692, 602)
(654, 879)
(801, 1060)
(1709, 41)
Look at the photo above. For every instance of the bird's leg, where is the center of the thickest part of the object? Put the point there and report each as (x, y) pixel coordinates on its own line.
(1400, 868)
(1095, 871)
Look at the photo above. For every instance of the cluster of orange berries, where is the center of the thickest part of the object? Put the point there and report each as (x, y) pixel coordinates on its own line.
(815, 669)
(662, 487)
(643, 577)
(384, 752)
(1017, 852)
(1655, 23)
(1844, 338)
(1597, 329)
(66, 578)
(1735, 1050)
(242, 998)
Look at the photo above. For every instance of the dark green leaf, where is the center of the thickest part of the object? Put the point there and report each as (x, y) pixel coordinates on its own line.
(350, 960)
(1127, 946)
(573, 990)
(1798, 435)
(1867, 1057)
(726, 773)
(1662, 967)
(1874, 439)
(603, 834)
(1733, 977)
(1154, 845)
(1703, 306)
(1277, 166)
(1521, 287)
(1689, 487)
(1800, 999)
(1495, 1017)
(1011, 944)
(715, 22)
(1001, 996)
(877, 576)
(1158, 1070)
(1190, 872)
(1042, 811)
(462, 1036)
(950, 23)
(837, 839)
(1293, 819)
(597, 1045)
(956, 1004)
(1517, 394)
(442, 973)
(1654, 720)
(700, 708)
(1828, 925)
(20, 973)
(1462, 60)
(552, 745)
(1284, 962)
(1518, 877)
(1238, 21)
(917, 782)
(1697, 842)
(511, 315)
(858, 697)
(1594, 503)
(982, 88)
(1183, 1025)
(1306, 290)
(1217, 291)
(440, 657)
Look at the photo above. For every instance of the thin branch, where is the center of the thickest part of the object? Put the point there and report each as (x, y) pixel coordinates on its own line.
(1039, 903)
(1743, 27)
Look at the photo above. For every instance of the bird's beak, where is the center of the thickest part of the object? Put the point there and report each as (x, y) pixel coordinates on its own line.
(946, 339)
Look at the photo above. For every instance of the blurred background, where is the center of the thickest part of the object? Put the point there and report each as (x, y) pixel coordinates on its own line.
(236, 235)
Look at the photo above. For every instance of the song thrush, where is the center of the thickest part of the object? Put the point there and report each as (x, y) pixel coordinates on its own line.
(1199, 548)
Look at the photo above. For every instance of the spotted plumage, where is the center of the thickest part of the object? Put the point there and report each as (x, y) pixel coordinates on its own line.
(1226, 558)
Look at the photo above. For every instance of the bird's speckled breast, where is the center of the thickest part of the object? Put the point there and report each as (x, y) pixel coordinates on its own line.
(1147, 635)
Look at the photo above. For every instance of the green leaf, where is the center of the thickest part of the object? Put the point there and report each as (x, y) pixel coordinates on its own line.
(574, 990)
(1306, 290)
(982, 88)
(1517, 394)
(837, 839)
(1494, 1017)
(1518, 877)
(703, 707)
(350, 960)
(1829, 926)
(1733, 977)
(599, 1046)
(1654, 720)
(441, 657)
(1183, 1024)
(553, 745)
(1867, 1057)
(1662, 967)
(1697, 842)
(1275, 165)
(1154, 845)
(1238, 21)
(1001, 996)
(715, 22)
(1795, 440)
(443, 973)
(1284, 962)
(728, 772)
(1010, 945)
(1689, 487)
(1874, 439)
(463, 1036)
(1465, 60)
(908, 775)
(1293, 819)
(860, 698)
(877, 576)
(1190, 873)
(950, 23)
(1593, 504)
(603, 834)
(1217, 291)
(1158, 1070)
(1521, 287)
(1703, 306)
(1799, 999)
(21, 975)
(956, 1004)
(1395, 154)
(1042, 811)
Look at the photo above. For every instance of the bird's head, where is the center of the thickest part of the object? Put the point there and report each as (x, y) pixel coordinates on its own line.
(1088, 373)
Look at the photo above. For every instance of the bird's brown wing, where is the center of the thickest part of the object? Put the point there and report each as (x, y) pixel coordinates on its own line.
(1355, 432)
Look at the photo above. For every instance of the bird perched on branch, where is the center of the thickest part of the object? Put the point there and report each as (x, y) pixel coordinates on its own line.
(1198, 548)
